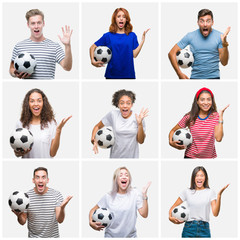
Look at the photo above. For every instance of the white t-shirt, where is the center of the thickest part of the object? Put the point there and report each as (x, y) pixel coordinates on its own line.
(125, 134)
(42, 140)
(124, 209)
(199, 203)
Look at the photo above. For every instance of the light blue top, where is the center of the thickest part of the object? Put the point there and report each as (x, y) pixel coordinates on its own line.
(205, 52)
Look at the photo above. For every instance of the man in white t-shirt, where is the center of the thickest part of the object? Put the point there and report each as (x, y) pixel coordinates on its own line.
(45, 51)
(46, 208)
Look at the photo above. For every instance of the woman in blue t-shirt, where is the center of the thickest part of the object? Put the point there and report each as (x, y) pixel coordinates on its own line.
(124, 45)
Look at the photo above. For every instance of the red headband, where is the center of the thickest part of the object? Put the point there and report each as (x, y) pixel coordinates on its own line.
(203, 89)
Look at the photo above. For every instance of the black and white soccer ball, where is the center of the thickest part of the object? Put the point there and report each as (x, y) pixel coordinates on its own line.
(25, 62)
(185, 58)
(102, 215)
(105, 137)
(181, 213)
(19, 201)
(184, 137)
(103, 53)
(21, 139)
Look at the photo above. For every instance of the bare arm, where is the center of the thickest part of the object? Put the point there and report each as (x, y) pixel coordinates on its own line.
(173, 60)
(94, 131)
(144, 209)
(175, 143)
(223, 52)
(60, 213)
(138, 49)
(215, 204)
(21, 217)
(171, 218)
(93, 61)
(56, 141)
(95, 225)
(140, 134)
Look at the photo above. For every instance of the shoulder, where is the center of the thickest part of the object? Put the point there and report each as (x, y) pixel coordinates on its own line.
(19, 124)
(30, 192)
(216, 32)
(132, 34)
(23, 42)
(53, 192)
(214, 115)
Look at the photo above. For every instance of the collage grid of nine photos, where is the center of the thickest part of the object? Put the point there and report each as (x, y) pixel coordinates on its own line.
(86, 95)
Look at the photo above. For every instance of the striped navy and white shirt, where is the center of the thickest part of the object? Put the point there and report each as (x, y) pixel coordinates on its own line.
(42, 222)
(46, 53)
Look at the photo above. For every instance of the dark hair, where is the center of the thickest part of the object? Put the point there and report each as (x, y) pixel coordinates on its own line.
(193, 114)
(194, 173)
(47, 114)
(40, 169)
(205, 12)
(117, 95)
(128, 26)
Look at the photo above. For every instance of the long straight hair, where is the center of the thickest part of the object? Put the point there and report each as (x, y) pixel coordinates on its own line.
(194, 173)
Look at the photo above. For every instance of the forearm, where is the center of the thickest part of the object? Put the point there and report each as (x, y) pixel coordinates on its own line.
(173, 60)
(12, 69)
(144, 209)
(61, 215)
(91, 52)
(217, 206)
(68, 58)
(224, 56)
(140, 134)
(22, 218)
(55, 144)
(138, 49)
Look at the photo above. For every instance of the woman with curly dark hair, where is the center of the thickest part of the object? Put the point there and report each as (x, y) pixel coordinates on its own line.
(124, 45)
(128, 127)
(38, 116)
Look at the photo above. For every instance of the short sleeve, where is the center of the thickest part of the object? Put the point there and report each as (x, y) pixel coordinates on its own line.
(60, 55)
(18, 124)
(107, 120)
(135, 41)
(14, 53)
(53, 128)
(59, 199)
(216, 118)
(184, 41)
(101, 41)
(103, 202)
(220, 42)
(183, 122)
(213, 195)
(183, 195)
(139, 199)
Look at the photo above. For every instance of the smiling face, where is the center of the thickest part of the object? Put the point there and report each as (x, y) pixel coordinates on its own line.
(40, 180)
(199, 180)
(36, 104)
(123, 181)
(125, 104)
(205, 24)
(204, 102)
(121, 20)
(36, 24)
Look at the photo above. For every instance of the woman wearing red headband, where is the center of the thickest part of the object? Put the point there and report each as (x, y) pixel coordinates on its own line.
(205, 124)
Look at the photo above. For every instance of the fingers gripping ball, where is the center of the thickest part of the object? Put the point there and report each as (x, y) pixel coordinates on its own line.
(181, 213)
(19, 201)
(25, 62)
(103, 54)
(103, 216)
(105, 137)
(184, 137)
(21, 139)
(185, 58)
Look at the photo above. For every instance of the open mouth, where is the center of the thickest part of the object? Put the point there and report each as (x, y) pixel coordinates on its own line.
(205, 31)
(121, 24)
(124, 183)
(36, 31)
(40, 186)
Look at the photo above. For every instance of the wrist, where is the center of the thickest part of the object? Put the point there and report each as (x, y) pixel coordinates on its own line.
(225, 44)
(145, 197)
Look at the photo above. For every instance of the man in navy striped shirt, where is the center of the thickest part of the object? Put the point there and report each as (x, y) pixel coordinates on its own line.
(45, 51)
(46, 208)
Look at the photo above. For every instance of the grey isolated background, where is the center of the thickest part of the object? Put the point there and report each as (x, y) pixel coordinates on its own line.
(96, 19)
(176, 176)
(56, 16)
(177, 19)
(17, 175)
(177, 99)
(64, 99)
(97, 102)
(97, 181)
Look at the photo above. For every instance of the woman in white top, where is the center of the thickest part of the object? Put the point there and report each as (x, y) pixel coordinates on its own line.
(123, 202)
(200, 198)
(128, 127)
(38, 117)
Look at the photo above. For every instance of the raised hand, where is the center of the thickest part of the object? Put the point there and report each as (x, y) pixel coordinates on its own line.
(224, 37)
(62, 123)
(145, 189)
(66, 201)
(222, 190)
(223, 110)
(143, 113)
(144, 34)
(67, 33)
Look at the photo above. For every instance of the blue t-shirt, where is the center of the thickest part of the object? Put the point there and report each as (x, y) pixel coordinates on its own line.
(122, 45)
(205, 52)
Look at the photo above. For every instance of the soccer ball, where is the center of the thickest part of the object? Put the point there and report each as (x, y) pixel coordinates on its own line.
(102, 53)
(103, 216)
(185, 58)
(19, 201)
(105, 137)
(184, 137)
(181, 213)
(25, 62)
(21, 139)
